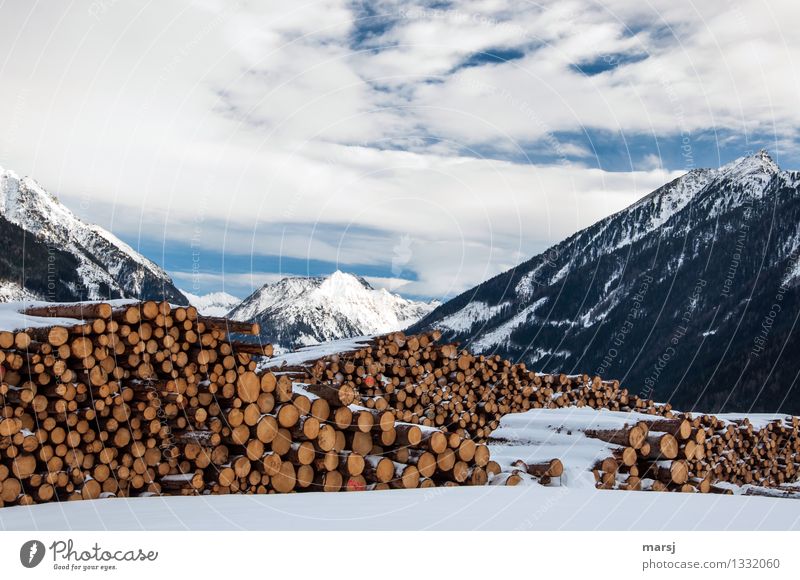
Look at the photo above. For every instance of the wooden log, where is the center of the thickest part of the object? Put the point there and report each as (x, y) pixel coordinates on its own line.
(252, 348)
(79, 310)
(235, 326)
(679, 428)
(378, 469)
(662, 446)
(551, 468)
(633, 437)
(337, 396)
(627, 456)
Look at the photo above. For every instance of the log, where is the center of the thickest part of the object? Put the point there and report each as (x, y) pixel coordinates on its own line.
(235, 326)
(79, 310)
(662, 446)
(337, 396)
(123, 404)
(679, 428)
(551, 468)
(633, 437)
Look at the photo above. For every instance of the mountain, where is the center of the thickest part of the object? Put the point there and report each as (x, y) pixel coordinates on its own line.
(301, 311)
(690, 295)
(50, 254)
(213, 304)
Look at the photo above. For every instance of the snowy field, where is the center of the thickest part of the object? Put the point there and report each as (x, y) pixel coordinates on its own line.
(467, 508)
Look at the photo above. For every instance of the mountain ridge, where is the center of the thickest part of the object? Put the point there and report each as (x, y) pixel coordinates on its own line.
(213, 303)
(52, 254)
(565, 309)
(300, 311)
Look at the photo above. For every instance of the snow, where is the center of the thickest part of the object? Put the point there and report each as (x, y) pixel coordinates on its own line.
(312, 353)
(597, 313)
(758, 420)
(213, 304)
(461, 508)
(544, 434)
(178, 477)
(538, 354)
(753, 170)
(465, 318)
(100, 254)
(12, 318)
(11, 291)
(318, 309)
(793, 272)
(501, 334)
(669, 201)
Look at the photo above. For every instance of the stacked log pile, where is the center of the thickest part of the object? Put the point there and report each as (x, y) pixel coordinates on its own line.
(434, 385)
(152, 399)
(439, 386)
(695, 454)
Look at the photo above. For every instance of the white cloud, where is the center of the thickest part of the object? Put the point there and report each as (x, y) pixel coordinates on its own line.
(257, 127)
(239, 284)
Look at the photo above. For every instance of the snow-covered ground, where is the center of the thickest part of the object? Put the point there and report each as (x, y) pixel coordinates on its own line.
(544, 434)
(466, 508)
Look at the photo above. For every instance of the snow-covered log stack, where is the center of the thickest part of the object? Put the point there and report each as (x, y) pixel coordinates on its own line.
(434, 385)
(147, 399)
(694, 454)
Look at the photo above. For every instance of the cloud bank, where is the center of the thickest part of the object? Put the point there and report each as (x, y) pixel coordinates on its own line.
(432, 144)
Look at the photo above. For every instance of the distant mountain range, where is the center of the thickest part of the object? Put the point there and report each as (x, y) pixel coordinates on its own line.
(50, 254)
(299, 311)
(690, 295)
(213, 304)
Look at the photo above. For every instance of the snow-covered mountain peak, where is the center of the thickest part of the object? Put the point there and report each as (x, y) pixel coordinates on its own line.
(741, 182)
(102, 266)
(24, 201)
(342, 284)
(610, 297)
(214, 303)
(760, 163)
(298, 311)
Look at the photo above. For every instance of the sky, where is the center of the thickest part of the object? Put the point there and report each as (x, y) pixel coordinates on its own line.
(424, 145)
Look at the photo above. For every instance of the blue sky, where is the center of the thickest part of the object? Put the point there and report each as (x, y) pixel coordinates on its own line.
(425, 145)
